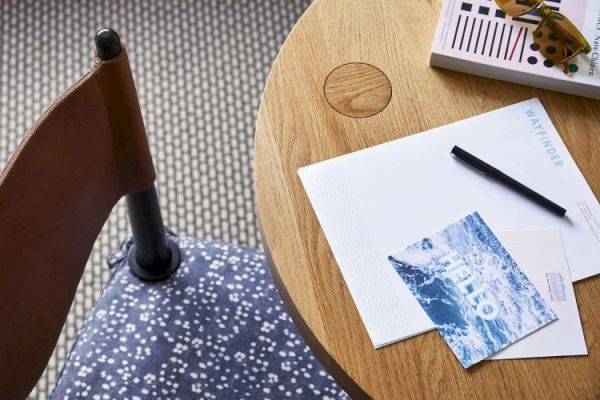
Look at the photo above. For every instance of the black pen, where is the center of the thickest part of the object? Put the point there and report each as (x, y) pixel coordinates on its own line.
(501, 177)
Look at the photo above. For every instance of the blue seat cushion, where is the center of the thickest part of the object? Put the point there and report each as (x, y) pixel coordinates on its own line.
(216, 329)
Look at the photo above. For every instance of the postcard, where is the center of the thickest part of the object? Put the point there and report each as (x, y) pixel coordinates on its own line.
(540, 254)
(472, 290)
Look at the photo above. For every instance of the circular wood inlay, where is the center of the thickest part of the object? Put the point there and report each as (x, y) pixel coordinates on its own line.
(358, 90)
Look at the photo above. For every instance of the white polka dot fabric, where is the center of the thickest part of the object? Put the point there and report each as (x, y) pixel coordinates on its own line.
(216, 329)
(199, 67)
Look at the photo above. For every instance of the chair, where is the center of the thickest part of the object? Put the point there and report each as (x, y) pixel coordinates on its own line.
(179, 318)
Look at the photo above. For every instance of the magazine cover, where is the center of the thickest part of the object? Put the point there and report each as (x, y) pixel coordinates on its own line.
(476, 37)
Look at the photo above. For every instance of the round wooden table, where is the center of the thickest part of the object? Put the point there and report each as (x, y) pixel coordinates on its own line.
(353, 74)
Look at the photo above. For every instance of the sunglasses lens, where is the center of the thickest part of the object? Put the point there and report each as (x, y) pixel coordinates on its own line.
(557, 38)
(515, 8)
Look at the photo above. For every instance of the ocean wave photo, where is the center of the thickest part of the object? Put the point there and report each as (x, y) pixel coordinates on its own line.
(474, 292)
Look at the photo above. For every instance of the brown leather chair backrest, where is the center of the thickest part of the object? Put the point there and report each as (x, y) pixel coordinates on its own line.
(85, 152)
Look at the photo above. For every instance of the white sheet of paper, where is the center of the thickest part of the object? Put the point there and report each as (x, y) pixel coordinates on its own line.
(375, 201)
(540, 255)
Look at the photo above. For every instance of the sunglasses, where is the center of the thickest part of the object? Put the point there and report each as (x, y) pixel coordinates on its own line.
(556, 38)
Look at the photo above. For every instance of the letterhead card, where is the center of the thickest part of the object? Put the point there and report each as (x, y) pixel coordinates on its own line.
(475, 294)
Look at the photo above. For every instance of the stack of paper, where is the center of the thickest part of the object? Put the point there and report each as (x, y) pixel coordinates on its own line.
(375, 202)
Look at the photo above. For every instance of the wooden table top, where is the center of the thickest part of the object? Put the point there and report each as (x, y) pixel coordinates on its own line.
(313, 109)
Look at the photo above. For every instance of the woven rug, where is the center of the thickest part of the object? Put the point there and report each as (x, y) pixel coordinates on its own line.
(200, 67)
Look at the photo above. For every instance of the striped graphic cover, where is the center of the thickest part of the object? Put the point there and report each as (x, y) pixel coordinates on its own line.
(475, 36)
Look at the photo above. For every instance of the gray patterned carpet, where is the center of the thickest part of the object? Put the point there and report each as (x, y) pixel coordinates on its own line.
(199, 65)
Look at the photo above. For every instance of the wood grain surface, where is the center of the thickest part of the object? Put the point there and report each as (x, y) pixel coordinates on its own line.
(358, 90)
(297, 127)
